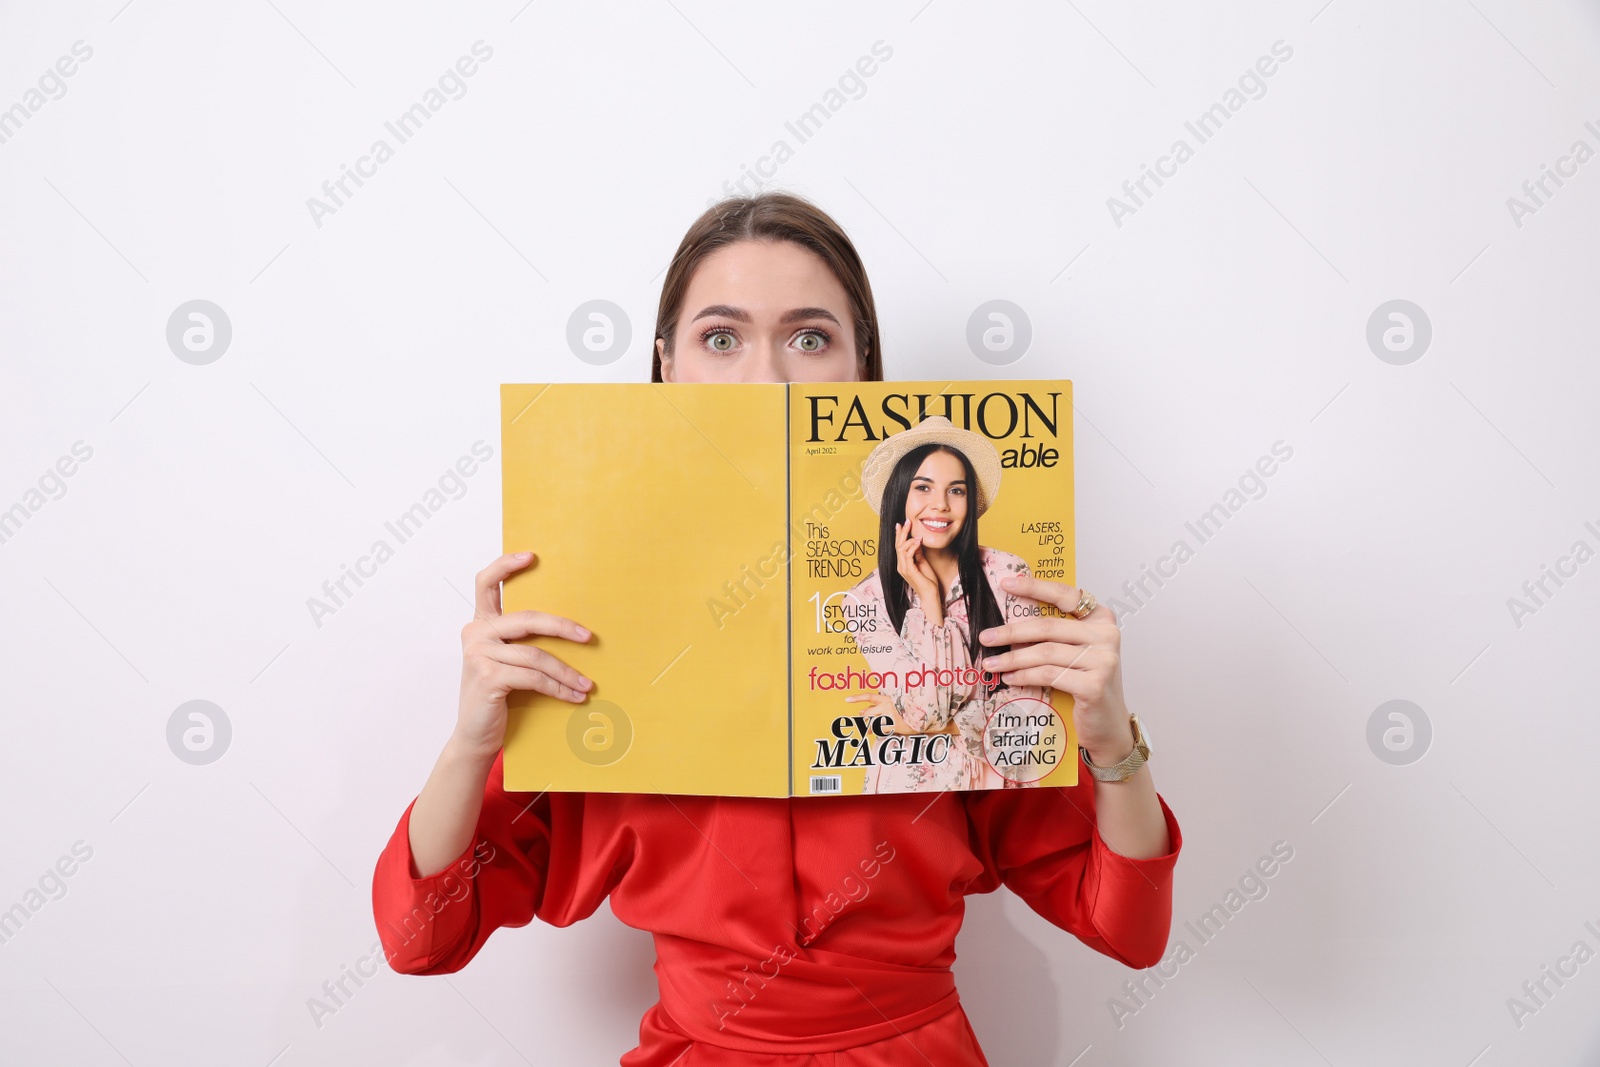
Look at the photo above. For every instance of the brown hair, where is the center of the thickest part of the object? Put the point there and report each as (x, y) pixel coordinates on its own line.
(771, 217)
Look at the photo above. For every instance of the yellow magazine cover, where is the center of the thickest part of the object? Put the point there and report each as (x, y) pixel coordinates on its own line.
(776, 576)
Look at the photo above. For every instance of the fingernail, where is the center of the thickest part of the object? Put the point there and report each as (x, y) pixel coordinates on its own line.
(583, 633)
(523, 555)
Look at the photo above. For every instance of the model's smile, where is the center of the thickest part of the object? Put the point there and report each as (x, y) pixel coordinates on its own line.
(936, 525)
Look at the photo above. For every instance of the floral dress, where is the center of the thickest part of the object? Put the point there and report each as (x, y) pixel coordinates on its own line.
(931, 708)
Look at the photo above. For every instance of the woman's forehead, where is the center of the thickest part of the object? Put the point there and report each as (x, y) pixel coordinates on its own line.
(765, 278)
(941, 466)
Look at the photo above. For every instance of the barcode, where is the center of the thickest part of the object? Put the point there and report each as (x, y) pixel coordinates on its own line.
(827, 783)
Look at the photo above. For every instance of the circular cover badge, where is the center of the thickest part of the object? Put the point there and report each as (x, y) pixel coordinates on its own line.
(1024, 739)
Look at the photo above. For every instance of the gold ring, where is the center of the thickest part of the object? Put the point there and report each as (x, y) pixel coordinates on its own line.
(1086, 604)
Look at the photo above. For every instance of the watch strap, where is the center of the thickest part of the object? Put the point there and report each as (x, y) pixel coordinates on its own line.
(1121, 772)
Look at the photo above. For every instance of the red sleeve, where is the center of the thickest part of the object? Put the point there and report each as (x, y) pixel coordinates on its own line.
(527, 858)
(1043, 844)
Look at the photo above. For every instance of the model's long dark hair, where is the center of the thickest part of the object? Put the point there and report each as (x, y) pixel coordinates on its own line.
(983, 611)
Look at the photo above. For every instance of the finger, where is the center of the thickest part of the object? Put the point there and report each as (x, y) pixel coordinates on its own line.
(527, 623)
(1063, 596)
(1069, 680)
(514, 676)
(1049, 652)
(540, 660)
(1067, 631)
(486, 586)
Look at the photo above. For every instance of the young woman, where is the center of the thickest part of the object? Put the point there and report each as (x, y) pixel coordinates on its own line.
(789, 933)
(929, 486)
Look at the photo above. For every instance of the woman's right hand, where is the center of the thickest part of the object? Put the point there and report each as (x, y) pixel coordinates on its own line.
(881, 703)
(491, 666)
(914, 567)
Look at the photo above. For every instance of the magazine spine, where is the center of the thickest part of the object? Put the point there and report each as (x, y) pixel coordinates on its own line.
(788, 579)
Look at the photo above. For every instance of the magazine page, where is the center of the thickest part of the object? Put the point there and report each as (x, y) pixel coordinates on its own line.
(657, 514)
(910, 501)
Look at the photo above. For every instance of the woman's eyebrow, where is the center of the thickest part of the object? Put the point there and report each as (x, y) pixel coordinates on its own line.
(809, 313)
(925, 478)
(722, 311)
(728, 311)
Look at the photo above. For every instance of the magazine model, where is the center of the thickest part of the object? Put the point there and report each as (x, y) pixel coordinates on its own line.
(785, 582)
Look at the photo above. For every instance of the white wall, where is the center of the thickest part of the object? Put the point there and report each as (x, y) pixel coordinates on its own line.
(1228, 312)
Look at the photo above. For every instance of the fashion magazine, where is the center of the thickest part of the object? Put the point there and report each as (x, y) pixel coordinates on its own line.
(785, 583)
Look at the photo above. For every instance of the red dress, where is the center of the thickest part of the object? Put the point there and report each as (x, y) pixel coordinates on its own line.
(785, 930)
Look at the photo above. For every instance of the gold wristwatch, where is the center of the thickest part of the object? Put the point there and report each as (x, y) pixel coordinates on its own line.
(1124, 770)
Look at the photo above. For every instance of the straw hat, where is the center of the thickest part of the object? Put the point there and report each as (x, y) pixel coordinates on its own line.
(934, 429)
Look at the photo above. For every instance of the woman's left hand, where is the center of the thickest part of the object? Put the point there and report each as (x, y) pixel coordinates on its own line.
(880, 703)
(1080, 657)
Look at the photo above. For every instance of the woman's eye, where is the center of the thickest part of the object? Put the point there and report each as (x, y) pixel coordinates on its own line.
(812, 342)
(721, 341)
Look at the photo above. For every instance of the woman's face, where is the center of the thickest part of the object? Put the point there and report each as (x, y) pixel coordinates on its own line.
(936, 505)
(762, 311)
